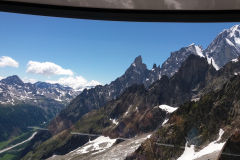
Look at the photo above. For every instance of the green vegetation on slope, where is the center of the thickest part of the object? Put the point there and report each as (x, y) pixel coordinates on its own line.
(14, 120)
(14, 153)
(15, 140)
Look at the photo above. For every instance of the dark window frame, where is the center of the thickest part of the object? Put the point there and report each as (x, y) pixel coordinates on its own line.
(122, 14)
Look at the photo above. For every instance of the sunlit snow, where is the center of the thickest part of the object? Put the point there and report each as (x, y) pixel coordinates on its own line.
(237, 40)
(167, 108)
(195, 99)
(114, 121)
(215, 146)
(211, 61)
(229, 42)
(99, 144)
(116, 152)
(199, 51)
(234, 60)
(165, 121)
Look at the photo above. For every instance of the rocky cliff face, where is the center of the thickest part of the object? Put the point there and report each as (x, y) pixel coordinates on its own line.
(137, 73)
(174, 62)
(96, 97)
(232, 148)
(195, 126)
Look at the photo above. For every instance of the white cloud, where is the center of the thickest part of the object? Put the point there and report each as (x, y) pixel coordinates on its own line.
(1, 77)
(47, 69)
(6, 61)
(77, 82)
(29, 80)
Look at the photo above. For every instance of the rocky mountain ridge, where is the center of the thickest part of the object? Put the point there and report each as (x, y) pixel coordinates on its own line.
(203, 127)
(14, 91)
(224, 48)
(137, 73)
(218, 53)
(139, 110)
(198, 77)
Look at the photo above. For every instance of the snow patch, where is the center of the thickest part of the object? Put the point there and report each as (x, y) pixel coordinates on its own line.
(114, 121)
(167, 108)
(97, 145)
(195, 99)
(229, 42)
(188, 153)
(211, 61)
(237, 40)
(191, 154)
(149, 136)
(165, 121)
(129, 109)
(199, 51)
(117, 152)
(235, 60)
(233, 29)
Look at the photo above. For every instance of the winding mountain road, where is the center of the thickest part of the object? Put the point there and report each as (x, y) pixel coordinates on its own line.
(18, 144)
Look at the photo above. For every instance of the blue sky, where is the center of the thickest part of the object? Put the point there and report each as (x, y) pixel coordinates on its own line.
(95, 50)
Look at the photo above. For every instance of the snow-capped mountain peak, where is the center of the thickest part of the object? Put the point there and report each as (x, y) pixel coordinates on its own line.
(199, 50)
(234, 30)
(173, 63)
(196, 49)
(224, 48)
(12, 80)
(233, 35)
(13, 91)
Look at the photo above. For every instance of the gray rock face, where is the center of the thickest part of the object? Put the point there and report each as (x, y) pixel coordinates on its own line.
(174, 62)
(137, 73)
(224, 48)
(94, 98)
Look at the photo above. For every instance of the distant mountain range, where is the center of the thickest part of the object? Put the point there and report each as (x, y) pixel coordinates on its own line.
(136, 102)
(26, 104)
(14, 91)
